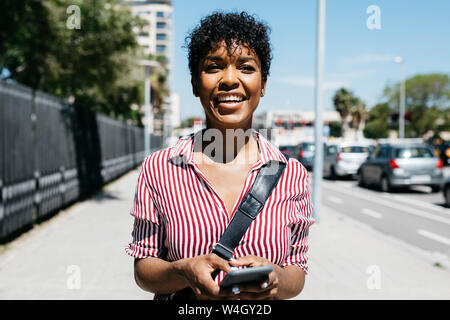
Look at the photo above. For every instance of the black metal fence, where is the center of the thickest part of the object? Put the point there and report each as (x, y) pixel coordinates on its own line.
(52, 154)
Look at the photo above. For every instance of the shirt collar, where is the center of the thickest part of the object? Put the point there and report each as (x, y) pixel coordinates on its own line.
(183, 149)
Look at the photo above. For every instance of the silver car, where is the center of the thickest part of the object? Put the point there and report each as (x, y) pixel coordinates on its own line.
(344, 159)
(398, 165)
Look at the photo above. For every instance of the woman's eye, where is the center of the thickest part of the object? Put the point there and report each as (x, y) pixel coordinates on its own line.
(212, 67)
(248, 68)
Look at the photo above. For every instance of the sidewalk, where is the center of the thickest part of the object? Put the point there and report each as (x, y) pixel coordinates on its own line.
(79, 254)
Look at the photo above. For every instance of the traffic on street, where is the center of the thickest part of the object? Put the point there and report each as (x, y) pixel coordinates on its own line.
(415, 211)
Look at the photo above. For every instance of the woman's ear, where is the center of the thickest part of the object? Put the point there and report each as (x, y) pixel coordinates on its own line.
(263, 87)
(194, 87)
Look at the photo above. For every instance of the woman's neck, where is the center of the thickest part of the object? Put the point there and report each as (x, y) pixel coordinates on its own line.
(228, 146)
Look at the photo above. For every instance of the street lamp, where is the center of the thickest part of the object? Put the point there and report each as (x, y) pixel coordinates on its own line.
(148, 64)
(401, 128)
(318, 122)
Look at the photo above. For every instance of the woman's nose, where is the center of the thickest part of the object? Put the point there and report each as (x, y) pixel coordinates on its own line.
(230, 78)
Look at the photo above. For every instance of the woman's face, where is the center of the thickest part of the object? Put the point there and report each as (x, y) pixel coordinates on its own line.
(229, 86)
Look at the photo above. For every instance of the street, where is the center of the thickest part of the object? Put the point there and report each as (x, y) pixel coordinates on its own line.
(415, 216)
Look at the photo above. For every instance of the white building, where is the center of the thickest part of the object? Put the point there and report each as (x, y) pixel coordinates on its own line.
(157, 38)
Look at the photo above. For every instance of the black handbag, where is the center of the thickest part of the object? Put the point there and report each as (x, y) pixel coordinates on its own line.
(250, 206)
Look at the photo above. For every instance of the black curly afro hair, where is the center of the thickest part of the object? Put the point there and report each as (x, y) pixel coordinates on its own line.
(234, 29)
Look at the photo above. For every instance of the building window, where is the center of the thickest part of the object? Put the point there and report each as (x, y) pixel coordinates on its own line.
(161, 25)
(160, 14)
(161, 36)
(160, 48)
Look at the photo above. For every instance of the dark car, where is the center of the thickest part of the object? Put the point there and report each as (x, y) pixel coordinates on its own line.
(401, 164)
(306, 156)
(444, 153)
(292, 151)
(446, 191)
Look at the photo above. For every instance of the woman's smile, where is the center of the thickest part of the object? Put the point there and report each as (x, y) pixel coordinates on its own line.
(230, 100)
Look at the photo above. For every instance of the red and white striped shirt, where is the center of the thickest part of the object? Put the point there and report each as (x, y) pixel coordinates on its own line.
(179, 215)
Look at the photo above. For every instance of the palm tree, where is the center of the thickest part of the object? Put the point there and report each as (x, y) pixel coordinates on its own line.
(358, 113)
(343, 101)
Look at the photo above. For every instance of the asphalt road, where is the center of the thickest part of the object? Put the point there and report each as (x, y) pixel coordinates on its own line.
(415, 216)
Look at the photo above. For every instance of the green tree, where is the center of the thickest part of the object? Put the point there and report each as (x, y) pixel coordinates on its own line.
(358, 113)
(377, 125)
(427, 100)
(26, 38)
(335, 128)
(343, 101)
(346, 103)
(93, 66)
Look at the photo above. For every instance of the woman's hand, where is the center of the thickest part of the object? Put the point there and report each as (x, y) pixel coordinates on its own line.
(197, 273)
(264, 290)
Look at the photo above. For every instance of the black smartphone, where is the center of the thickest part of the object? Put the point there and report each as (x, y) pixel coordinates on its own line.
(246, 275)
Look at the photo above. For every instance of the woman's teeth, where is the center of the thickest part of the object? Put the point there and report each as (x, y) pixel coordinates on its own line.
(230, 99)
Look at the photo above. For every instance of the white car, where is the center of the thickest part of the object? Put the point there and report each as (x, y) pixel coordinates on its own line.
(344, 159)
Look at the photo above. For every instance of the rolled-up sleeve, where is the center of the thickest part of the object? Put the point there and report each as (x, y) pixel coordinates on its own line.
(147, 231)
(298, 249)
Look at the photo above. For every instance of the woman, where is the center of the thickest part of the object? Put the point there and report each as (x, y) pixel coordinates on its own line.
(187, 194)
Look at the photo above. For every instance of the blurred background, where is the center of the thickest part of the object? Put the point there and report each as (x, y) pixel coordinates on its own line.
(89, 88)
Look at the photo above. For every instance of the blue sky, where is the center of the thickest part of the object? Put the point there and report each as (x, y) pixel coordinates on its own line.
(357, 58)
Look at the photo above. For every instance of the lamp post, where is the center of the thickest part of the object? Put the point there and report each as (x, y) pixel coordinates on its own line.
(401, 119)
(148, 64)
(318, 122)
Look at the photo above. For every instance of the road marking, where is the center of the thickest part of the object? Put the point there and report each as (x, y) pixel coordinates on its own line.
(420, 203)
(372, 213)
(335, 199)
(404, 199)
(434, 236)
(403, 208)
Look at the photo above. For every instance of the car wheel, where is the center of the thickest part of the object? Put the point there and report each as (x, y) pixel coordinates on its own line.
(447, 196)
(385, 185)
(333, 175)
(435, 188)
(361, 181)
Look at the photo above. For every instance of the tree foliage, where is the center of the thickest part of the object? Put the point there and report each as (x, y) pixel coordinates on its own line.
(377, 125)
(427, 101)
(346, 103)
(93, 66)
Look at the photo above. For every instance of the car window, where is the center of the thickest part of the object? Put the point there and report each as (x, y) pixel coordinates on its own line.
(331, 150)
(383, 152)
(355, 149)
(413, 152)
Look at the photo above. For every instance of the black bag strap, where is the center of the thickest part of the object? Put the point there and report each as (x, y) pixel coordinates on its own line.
(249, 208)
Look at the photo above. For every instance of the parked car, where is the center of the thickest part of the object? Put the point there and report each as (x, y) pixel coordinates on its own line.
(401, 164)
(306, 156)
(446, 191)
(344, 159)
(292, 151)
(444, 153)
